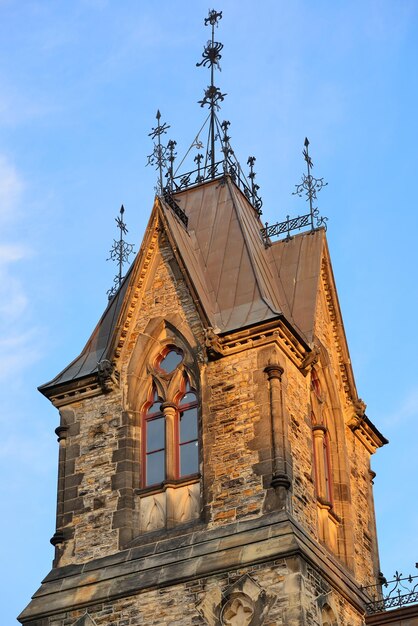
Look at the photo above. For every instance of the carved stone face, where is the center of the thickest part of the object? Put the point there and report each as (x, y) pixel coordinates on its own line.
(238, 611)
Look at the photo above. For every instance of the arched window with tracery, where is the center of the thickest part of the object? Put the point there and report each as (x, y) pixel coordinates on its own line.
(170, 449)
(163, 394)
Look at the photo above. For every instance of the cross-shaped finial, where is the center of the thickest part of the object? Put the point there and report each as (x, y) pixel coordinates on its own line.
(119, 252)
(158, 156)
(310, 186)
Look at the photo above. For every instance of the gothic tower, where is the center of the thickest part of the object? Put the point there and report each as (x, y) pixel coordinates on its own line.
(214, 456)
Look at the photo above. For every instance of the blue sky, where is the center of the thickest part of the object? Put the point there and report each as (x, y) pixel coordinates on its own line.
(80, 83)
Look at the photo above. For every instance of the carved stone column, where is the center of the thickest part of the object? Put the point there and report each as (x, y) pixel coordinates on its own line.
(58, 536)
(280, 474)
(170, 410)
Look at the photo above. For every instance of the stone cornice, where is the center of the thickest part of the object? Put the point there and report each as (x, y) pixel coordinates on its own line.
(75, 390)
(194, 555)
(272, 331)
(367, 433)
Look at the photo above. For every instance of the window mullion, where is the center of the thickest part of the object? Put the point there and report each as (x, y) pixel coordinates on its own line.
(171, 458)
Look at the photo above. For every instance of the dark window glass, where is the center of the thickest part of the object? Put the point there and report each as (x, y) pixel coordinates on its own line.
(189, 458)
(155, 469)
(154, 443)
(170, 361)
(188, 425)
(155, 434)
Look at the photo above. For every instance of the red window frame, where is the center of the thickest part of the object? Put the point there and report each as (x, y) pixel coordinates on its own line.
(149, 417)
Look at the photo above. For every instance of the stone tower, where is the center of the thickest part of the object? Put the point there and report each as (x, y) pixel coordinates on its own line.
(214, 456)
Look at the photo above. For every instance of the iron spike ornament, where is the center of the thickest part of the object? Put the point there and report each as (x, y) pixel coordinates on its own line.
(119, 252)
(309, 187)
(158, 156)
(171, 158)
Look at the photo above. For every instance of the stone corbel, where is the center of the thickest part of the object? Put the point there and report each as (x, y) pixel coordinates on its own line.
(310, 360)
(212, 343)
(357, 418)
(107, 375)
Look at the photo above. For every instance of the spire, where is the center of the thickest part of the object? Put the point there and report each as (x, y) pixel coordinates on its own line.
(119, 252)
(203, 165)
(212, 96)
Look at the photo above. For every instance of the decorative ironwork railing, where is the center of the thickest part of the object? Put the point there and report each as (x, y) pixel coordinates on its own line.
(391, 594)
(291, 224)
(210, 171)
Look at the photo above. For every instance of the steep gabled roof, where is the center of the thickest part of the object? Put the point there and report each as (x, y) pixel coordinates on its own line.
(224, 254)
(236, 279)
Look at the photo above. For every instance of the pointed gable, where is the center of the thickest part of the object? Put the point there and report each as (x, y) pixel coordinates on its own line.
(234, 278)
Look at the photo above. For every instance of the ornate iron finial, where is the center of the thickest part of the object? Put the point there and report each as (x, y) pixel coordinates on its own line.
(212, 95)
(119, 252)
(309, 187)
(198, 159)
(158, 156)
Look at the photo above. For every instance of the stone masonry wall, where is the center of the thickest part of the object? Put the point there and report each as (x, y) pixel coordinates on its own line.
(231, 414)
(297, 397)
(89, 498)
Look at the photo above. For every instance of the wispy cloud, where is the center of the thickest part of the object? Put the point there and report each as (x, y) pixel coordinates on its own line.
(18, 339)
(407, 409)
(11, 189)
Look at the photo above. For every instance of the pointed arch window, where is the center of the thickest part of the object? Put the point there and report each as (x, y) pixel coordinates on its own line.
(170, 449)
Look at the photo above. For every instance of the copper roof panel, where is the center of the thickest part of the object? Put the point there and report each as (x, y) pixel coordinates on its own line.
(298, 265)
